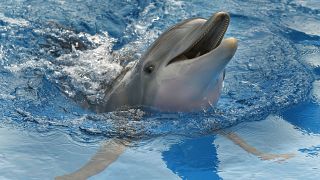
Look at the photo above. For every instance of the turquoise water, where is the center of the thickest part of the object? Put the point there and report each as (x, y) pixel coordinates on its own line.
(54, 53)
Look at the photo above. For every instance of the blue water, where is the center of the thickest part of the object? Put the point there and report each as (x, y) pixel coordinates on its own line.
(55, 53)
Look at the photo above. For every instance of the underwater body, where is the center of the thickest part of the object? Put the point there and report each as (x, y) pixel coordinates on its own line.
(55, 53)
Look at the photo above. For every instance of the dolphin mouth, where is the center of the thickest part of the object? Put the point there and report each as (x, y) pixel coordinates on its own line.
(210, 37)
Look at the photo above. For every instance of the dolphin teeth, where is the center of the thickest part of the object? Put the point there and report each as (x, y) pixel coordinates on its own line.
(181, 58)
(213, 32)
(225, 27)
(197, 55)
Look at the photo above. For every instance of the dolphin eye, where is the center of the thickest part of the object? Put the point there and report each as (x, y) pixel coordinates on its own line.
(149, 69)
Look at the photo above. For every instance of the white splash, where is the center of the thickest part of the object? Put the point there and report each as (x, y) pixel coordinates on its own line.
(14, 21)
(308, 25)
(313, 58)
(89, 69)
(316, 90)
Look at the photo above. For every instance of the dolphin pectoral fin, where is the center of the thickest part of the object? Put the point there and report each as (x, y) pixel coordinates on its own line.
(252, 150)
(107, 154)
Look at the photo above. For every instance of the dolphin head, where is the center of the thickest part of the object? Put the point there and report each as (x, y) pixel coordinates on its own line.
(184, 68)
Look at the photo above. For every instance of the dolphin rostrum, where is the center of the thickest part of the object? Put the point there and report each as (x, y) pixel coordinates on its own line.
(183, 70)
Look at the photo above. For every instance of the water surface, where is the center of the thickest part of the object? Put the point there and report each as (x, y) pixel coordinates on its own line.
(54, 53)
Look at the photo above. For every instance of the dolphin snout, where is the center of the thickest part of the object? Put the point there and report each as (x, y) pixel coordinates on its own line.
(222, 16)
(232, 44)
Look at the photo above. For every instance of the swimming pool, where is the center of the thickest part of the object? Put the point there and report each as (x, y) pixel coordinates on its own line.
(52, 52)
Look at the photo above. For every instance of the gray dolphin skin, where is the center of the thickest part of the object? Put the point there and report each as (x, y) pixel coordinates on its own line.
(183, 70)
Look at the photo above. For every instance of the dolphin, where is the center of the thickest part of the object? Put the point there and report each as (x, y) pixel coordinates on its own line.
(183, 70)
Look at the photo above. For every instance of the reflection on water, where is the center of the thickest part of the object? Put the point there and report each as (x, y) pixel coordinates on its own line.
(274, 134)
(173, 157)
(27, 156)
(193, 158)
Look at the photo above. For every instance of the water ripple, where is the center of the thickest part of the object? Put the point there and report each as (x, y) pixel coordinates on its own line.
(51, 60)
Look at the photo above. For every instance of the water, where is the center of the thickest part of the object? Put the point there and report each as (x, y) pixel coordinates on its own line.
(54, 53)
